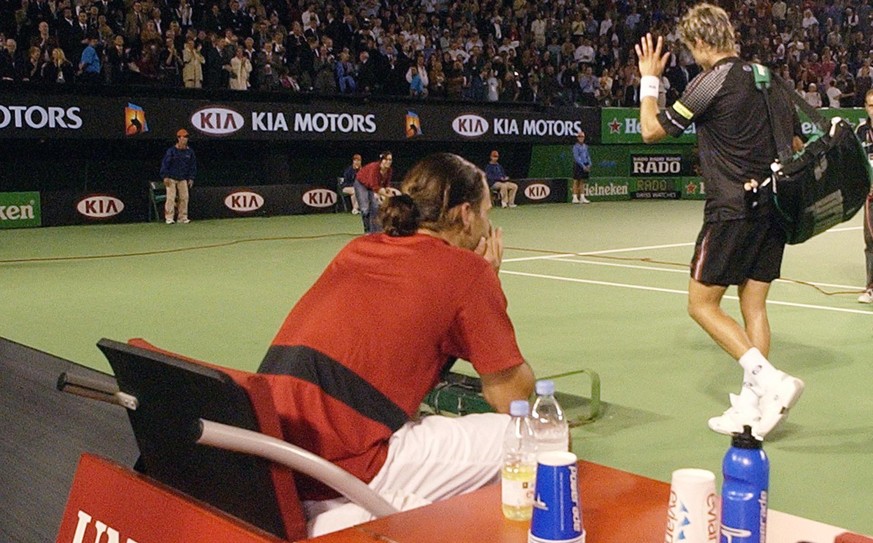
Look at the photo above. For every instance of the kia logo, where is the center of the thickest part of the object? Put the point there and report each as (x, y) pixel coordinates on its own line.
(244, 201)
(319, 198)
(100, 207)
(217, 121)
(470, 126)
(537, 191)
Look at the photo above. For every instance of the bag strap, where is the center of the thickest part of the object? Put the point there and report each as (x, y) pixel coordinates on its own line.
(812, 113)
(763, 83)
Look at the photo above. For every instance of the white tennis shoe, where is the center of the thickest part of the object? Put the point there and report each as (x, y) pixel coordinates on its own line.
(738, 415)
(780, 394)
(866, 297)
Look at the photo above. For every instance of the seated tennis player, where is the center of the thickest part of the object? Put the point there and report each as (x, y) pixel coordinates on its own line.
(428, 292)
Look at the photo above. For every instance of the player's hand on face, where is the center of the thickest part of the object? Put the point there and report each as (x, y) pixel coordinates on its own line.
(491, 247)
(652, 59)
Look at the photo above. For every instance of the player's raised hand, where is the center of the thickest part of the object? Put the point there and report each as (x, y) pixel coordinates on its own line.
(652, 59)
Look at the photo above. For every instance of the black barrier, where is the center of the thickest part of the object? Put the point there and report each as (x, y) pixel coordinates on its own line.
(541, 191)
(61, 208)
(261, 200)
(148, 117)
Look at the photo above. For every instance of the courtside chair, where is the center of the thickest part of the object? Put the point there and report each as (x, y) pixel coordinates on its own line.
(214, 433)
(341, 197)
(157, 198)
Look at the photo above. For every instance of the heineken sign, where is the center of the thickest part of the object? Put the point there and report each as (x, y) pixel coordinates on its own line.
(19, 209)
(622, 125)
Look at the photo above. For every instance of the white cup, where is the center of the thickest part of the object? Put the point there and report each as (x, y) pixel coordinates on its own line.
(693, 513)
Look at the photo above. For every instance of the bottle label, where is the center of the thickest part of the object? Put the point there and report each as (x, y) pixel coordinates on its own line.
(744, 520)
(517, 489)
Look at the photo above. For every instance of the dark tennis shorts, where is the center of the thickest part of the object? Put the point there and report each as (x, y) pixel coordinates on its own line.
(579, 172)
(729, 252)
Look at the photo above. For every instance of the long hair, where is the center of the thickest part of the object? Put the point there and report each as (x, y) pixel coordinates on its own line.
(432, 188)
(710, 25)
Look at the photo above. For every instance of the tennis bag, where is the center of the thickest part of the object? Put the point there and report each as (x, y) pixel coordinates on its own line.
(825, 183)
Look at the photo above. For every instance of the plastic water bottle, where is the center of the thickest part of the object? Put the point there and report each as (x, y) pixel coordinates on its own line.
(744, 493)
(547, 418)
(519, 464)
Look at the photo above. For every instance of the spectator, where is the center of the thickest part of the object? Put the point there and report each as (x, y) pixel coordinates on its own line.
(59, 70)
(345, 74)
(421, 70)
(89, 65)
(169, 64)
(118, 62)
(240, 70)
(33, 66)
(192, 61)
(268, 66)
(437, 79)
(12, 66)
(813, 97)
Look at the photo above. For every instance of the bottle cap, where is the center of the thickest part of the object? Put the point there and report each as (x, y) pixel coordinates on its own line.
(519, 408)
(745, 439)
(545, 387)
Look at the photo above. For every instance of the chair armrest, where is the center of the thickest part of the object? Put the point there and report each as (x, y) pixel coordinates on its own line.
(236, 439)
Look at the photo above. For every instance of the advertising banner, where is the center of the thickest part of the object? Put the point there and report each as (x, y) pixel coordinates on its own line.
(68, 207)
(645, 188)
(66, 116)
(20, 209)
(541, 191)
(622, 125)
(667, 165)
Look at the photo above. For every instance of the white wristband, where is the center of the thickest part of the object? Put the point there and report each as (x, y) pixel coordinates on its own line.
(650, 85)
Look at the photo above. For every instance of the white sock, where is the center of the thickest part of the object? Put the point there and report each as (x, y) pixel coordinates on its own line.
(755, 366)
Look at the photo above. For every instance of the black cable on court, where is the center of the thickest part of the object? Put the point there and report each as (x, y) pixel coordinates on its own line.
(350, 234)
(173, 250)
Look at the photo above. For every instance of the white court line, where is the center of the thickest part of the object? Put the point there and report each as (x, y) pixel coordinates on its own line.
(605, 252)
(675, 291)
(685, 272)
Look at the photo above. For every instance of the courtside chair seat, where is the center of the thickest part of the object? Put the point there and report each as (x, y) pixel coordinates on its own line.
(157, 199)
(341, 196)
(281, 454)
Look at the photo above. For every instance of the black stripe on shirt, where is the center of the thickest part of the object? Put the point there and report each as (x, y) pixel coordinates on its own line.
(335, 380)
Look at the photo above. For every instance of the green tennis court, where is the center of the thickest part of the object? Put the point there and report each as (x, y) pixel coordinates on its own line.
(600, 286)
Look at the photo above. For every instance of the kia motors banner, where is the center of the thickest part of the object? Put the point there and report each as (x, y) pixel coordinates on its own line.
(67, 207)
(260, 201)
(59, 208)
(152, 116)
(541, 191)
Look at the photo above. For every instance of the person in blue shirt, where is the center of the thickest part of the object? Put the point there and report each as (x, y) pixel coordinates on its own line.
(348, 182)
(89, 64)
(499, 181)
(581, 169)
(178, 169)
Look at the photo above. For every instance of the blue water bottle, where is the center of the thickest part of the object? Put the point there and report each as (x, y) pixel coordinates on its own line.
(744, 493)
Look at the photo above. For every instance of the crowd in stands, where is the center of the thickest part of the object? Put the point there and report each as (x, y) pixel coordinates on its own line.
(552, 52)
